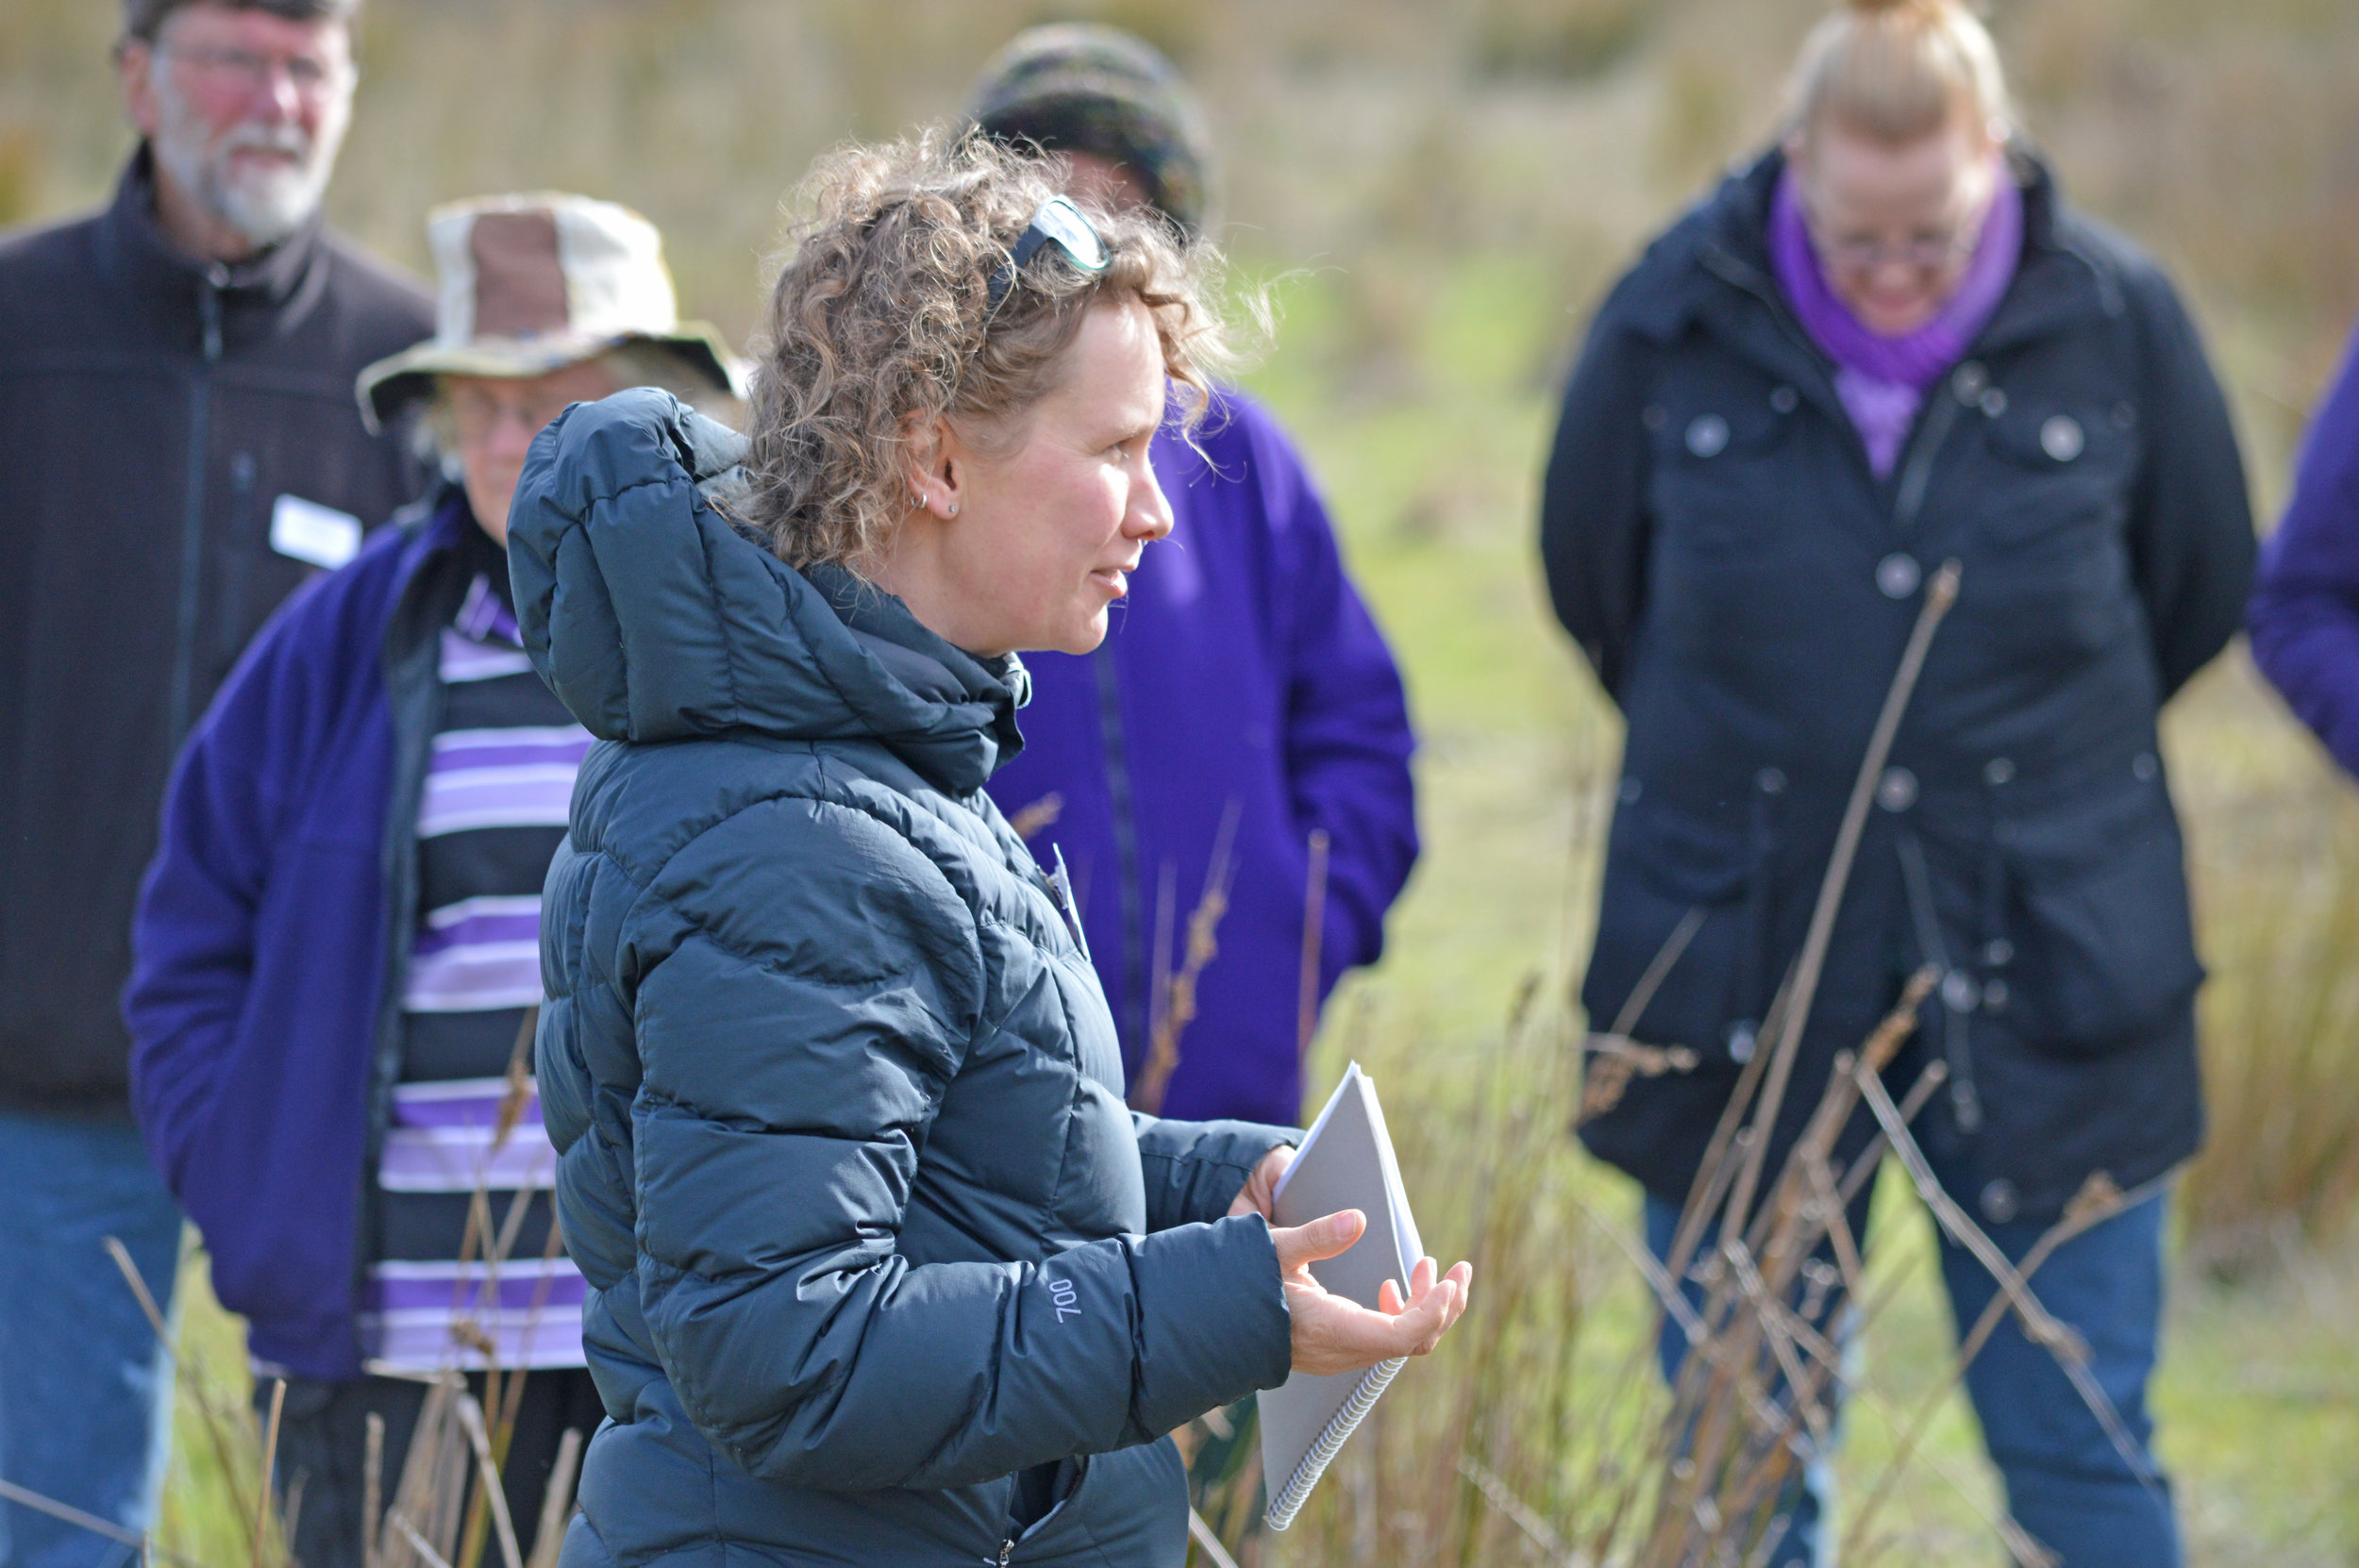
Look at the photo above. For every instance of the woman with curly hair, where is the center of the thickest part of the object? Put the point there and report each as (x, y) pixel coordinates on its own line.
(881, 1268)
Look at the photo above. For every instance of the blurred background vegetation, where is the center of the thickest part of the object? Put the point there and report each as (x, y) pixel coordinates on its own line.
(1438, 192)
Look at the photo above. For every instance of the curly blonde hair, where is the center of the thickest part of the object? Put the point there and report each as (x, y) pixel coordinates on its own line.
(881, 322)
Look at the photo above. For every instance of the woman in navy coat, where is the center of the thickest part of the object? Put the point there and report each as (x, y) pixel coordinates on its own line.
(1887, 344)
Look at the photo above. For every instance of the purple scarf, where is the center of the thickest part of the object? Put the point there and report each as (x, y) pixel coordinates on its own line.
(1883, 380)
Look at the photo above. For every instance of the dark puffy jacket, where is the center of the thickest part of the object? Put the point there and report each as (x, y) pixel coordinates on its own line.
(1718, 545)
(844, 1153)
(153, 414)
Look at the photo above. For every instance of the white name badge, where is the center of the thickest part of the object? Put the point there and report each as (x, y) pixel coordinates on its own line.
(309, 532)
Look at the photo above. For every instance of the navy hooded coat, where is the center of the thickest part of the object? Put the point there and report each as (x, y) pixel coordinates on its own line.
(843, 1148)
(1744, 585)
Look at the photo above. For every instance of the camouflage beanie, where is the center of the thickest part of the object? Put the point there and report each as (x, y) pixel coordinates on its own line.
(1080, 88)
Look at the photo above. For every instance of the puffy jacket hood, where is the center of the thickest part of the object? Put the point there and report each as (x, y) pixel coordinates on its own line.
(654, 617)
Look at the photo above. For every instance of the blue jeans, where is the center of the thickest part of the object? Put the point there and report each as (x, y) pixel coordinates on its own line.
(2066, 1484)
(85, 1385)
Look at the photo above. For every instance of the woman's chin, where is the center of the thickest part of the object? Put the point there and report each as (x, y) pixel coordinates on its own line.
(1897, 321)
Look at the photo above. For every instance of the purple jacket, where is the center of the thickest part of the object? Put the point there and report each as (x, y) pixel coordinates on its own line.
(1241, 668)
(257, 1004)
(2305, 603)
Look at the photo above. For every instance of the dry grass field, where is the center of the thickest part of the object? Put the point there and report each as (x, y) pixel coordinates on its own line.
(1437, 192)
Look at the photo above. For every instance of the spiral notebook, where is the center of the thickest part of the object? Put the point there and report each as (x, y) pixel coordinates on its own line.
(1345, 1162)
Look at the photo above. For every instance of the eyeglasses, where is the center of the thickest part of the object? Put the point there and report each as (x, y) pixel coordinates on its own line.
(1060, 221)
(478, 413)
(1927, 250)
(242, 69)
(1921, 253)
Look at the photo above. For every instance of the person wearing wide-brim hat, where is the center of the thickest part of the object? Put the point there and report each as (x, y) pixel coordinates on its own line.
(337, 945)
(545, 300)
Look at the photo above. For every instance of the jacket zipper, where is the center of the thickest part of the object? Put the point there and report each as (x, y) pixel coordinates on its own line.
(209, 286)
(1919, 473)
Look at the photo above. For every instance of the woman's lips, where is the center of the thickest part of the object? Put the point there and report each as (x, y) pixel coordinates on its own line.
(1115, 579)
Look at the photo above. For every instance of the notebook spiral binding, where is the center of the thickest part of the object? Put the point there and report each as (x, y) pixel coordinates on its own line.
(1314, 1463)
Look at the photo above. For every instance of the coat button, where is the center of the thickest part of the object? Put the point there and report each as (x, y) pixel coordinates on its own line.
(1898, 575)
(1999, 952)
(1999, 1201)
(1743, 1036)
(1896, 789)
(1998, 772)
(1785, 400)
(1994, 994)
(2061, 438)
(1994, 402)
(1959, 992)
(1707, 436)
(1969, 380)
(1770, 781)
(1630, 792)
(2145, 767)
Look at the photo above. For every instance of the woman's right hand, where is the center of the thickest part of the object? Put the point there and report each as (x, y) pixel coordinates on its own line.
(1333, 1333)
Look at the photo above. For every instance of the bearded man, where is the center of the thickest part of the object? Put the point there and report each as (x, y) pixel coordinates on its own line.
(179, 449)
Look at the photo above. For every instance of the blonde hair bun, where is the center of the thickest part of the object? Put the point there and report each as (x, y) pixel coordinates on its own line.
(1897, 71)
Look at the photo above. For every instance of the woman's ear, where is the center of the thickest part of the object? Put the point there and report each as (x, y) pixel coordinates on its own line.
(936, 466)
(1796, 149)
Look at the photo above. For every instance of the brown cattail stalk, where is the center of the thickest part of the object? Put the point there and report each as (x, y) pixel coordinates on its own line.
(1178, 1010)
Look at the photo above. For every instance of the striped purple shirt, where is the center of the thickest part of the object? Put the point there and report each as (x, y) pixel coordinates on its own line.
(499, 780)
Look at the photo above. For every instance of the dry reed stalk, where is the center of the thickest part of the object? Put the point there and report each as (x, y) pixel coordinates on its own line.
(1940, 594)
(372, 1490)
(1177, 1007)
(1201, 1537)
(2098, 1201)
(1760, 1373)
(557, 1503)
(1314, 923)
(270, 1466)
(488, 1487)
(215, 1422)
(1041, 813)
(108, 1528)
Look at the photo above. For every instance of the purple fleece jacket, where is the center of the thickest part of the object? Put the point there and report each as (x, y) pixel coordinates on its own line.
(2304, 615)
(1242, 668)
(259, 953)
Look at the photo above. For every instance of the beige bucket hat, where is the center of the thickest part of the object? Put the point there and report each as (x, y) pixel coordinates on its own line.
(531, 283)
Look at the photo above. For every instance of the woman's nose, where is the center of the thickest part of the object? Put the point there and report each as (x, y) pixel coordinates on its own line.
(1149, 517)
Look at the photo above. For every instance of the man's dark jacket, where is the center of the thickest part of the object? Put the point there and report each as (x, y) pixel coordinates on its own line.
(1744, 585)
(152, 412)
(838, 1103)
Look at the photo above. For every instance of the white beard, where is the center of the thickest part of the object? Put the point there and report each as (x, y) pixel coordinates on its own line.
(261, 206)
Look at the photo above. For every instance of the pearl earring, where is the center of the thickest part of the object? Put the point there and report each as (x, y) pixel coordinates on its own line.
(954, 508)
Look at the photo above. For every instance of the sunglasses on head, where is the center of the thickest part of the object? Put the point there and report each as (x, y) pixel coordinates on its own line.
(1059, 222)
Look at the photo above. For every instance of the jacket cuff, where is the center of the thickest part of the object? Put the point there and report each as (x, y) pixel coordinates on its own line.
(1213, 1325)
(1195, 1170)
